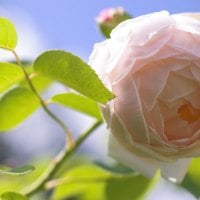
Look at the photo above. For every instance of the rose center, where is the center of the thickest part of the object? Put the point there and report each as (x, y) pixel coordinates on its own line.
(188, 113)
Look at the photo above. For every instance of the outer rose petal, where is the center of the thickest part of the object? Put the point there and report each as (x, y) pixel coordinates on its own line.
(187, 23)
(193, 15)
(122, 135)
(147, 167)
(174, 171)
(140, 27)
(128, 105)
(99, 60)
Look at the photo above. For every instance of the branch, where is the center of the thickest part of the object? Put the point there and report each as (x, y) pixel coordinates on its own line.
(61, 158)
(42, 103)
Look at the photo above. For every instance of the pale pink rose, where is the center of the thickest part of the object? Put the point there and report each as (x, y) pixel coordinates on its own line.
(152, 64)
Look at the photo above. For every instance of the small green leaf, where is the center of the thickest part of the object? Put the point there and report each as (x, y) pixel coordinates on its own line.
(73, 72)
(10, 74)
(191, 181)
(18, 171)
(91, 182)
(13, 196)
(79, 103)
(8, 35)
(15, 106)
(22, 183)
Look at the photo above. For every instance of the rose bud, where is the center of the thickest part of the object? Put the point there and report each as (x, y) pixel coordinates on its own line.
(152, 65)
(109, 18)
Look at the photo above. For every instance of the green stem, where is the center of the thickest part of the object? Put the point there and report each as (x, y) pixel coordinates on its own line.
(67, 180)
(43, 104)
(57, 163)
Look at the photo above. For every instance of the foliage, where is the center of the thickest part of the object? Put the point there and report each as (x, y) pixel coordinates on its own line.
(91, 182)
(20, 95)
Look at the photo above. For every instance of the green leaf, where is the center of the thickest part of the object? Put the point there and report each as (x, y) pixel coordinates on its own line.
(91, 182)
(19, 183)
(79, 103)
(10, 74)
(15, 106)
(18, 171)
(191, 181)
(73, 72)
(13, 196)
(8, 35)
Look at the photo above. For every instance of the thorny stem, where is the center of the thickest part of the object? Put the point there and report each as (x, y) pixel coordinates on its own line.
(54, 166)
(43, 104)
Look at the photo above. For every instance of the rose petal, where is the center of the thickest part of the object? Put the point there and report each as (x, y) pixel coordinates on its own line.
(120, 69)
(196, 71)
(159, 141)
(194, 15)
(127, 105)
(145, 166)
(157, 119)
(147, 116)
(140, 27)
(185, 73)
(153, 45)
(177, 128)
(160, 54)
(175, 171)
(120, 132)
(194, 99)
(177, 87)
(170, 111)
(183, 41)
(97, 60)
(186, 23)
(106, 111)
(151, 86)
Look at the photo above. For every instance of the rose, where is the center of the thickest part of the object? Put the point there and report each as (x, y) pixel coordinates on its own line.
(152, 65)
(109, 18)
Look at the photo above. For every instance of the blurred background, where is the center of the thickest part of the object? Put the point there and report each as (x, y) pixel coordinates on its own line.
(68, 25)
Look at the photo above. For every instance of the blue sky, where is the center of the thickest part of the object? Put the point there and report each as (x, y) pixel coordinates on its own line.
(70, 25)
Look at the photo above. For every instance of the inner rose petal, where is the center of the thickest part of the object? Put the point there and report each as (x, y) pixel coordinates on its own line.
(181, 120)
(177, 128)
(157, 120)
(194, 98)
(188, 113)
(153, 77)
(185, 73)
(177, 87)
(196, 71)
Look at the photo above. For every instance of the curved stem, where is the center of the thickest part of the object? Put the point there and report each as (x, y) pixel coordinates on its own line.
(60, 181)
(43, 104)
(57, 162)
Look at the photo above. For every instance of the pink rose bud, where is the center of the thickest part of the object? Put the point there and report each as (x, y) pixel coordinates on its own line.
(110, 18)
(152, 65)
